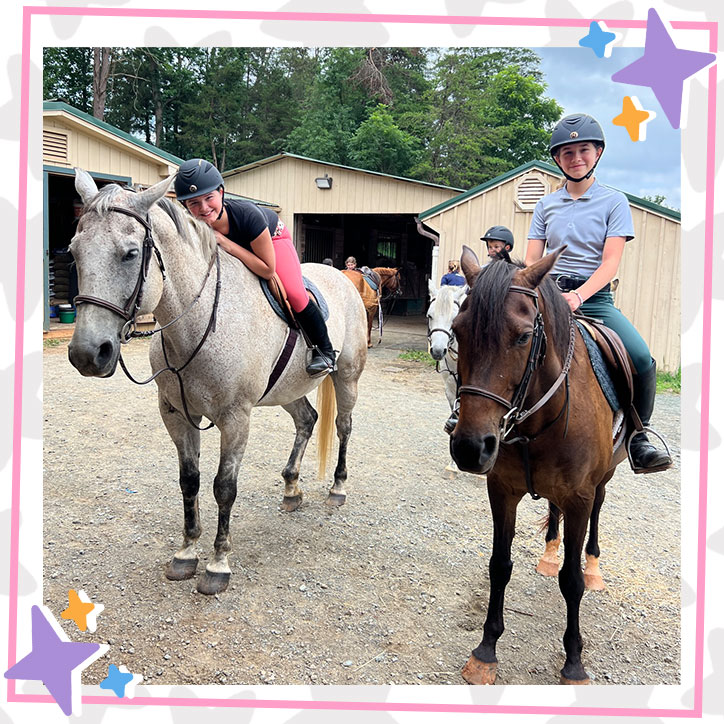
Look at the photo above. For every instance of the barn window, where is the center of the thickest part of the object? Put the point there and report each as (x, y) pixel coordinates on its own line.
(529, 191)
(55, 148)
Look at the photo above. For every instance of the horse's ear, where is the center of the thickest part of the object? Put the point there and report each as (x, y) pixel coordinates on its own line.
(460, 292)
(85, 185)
(432, 289)
(470, 265)
(533, 275)
(146, 199)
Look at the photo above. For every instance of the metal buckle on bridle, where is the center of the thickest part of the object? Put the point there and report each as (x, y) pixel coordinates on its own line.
(506, 425)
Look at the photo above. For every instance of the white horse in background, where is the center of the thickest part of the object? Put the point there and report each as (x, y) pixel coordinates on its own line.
(445, 303)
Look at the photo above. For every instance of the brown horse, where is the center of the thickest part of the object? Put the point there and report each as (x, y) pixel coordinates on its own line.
(532, 418)
(387, 279)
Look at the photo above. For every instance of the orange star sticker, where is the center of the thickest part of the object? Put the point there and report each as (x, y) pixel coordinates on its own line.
(634, 118)
(78, 609)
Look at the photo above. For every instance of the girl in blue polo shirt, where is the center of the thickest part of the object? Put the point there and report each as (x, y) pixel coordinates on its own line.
(595, 222)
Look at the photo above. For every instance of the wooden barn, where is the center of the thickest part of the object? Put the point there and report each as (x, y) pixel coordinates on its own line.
(337, 211)
(649, 290)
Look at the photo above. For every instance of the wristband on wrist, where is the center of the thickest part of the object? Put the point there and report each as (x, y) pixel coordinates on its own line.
(580, 298)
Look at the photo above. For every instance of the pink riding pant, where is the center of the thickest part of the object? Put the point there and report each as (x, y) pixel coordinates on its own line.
(289, 268)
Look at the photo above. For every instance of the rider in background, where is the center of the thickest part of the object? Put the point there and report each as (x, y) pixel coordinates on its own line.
(453, 277)
(256, 236)
(498, 239)
(595, 222)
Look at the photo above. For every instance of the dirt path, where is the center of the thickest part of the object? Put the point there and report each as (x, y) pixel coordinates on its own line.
(392, 587)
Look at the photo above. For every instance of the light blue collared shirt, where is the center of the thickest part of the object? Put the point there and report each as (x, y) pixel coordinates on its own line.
(583, 224)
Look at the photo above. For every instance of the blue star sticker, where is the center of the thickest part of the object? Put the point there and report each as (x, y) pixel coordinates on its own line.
(117, 680)
(55, 660)
(599, 40)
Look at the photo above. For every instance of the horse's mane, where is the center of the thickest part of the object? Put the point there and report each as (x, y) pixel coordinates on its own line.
(487, 304)
(189, 229)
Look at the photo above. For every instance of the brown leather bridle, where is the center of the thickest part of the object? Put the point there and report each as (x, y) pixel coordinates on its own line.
(132, 306)
(515, 412)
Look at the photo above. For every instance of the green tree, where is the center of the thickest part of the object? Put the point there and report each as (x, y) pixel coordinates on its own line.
(68, 76)
(380, 145)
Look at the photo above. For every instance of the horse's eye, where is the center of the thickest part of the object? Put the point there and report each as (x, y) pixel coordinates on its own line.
(524, 338)
(130, 255)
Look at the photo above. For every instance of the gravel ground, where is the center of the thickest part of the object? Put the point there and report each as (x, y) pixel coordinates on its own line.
(390, 588)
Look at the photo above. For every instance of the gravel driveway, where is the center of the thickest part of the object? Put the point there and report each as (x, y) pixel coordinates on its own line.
(390, 588)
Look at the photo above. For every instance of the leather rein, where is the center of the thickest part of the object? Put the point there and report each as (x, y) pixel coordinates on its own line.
(132, 306)
(516, 413)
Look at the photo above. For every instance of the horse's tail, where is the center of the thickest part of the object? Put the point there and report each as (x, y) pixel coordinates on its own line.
(326, 407)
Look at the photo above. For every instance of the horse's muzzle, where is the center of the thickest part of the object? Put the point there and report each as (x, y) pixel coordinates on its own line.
(94, 357)
(473, 453)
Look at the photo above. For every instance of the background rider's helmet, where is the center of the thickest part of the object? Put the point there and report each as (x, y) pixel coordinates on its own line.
(575, 128)
(196, 177)
(499, 233)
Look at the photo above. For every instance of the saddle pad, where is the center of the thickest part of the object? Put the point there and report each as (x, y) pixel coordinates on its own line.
(370, 277)
(308, 285)
(600, 368)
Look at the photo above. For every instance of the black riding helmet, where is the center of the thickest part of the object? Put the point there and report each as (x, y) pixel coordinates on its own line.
(196, 177)
(575, 128)
(499, 233)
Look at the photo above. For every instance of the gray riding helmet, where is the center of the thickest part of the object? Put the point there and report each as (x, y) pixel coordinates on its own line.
(196, 177)
(499, 233)
(576, 128)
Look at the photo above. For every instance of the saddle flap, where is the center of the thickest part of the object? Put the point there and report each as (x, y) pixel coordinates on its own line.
(276, 287)
(616, 357)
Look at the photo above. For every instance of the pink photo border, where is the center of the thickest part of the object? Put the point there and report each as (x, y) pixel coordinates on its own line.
(696, 711)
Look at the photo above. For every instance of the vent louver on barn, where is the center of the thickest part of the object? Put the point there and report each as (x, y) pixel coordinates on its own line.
(529, 191)
(55, 148)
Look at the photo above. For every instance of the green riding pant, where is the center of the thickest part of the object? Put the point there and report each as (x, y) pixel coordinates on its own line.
(600, 306)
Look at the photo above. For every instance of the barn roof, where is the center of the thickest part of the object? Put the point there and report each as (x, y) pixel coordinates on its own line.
(284, 154)
(548, 168)
(59, 106)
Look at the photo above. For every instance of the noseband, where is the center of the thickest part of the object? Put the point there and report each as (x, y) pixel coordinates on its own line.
(516, 414)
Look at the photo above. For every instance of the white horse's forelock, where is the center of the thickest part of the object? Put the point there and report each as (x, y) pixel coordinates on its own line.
(444, 300)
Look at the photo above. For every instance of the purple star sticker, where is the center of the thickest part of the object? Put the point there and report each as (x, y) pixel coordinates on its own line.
(663, 67)
(55, 660)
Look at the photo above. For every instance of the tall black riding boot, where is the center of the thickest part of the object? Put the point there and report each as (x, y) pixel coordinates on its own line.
(315, 328)
(645, 458)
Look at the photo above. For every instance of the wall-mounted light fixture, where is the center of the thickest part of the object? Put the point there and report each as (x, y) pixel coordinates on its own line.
(323, 182)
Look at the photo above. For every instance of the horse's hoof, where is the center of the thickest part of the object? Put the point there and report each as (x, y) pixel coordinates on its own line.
(547, 568)
(291, 502)
(211, 583)
(334, 500)
(575, 682)
(181, 569)
(593, 582)
(479, 672)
